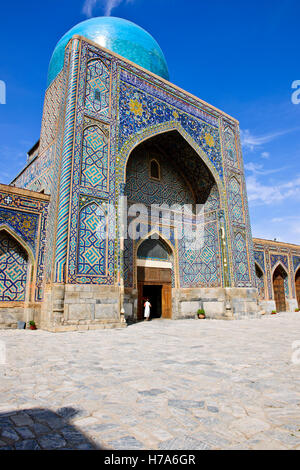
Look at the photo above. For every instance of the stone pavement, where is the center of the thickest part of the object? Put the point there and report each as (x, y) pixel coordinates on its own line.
(190, 384)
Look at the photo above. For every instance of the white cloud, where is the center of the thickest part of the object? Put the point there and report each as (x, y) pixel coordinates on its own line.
(258, 169)
(265, 155)
(263, 194)
(250, 141)
(106, 5)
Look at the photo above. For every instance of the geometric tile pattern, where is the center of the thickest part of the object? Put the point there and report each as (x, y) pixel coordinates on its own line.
(51, 109)
(260, 283)
(26, 216)
(13, 269)
(92, 241)
(201, 268)
(260, 259)
(230, 146)
(94, 167)
(275, 258)
(97, 87)
(235, 200)
(241, 262)
(23, 223)
(296, 263)
(139, 110)
(66, 166)
(85, 186)
(171, 189)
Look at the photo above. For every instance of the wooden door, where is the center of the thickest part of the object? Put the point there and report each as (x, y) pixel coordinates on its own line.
(140, 314)
(167, 301)
(297, 283)
(279, 291)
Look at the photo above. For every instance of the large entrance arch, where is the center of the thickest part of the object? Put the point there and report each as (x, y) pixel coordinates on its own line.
(279, 279)
(297, 285)
(165, 169)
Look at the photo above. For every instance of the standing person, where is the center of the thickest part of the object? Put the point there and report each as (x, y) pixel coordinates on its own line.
(147, 307)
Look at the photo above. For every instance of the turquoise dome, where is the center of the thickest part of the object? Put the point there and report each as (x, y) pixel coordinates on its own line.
(118, 35)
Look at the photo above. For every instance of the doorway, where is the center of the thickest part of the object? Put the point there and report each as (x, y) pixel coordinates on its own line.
(279, 277)
(156, 284)
(153, 293)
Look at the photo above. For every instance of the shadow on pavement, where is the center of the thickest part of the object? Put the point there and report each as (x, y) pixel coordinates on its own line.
(41, 428)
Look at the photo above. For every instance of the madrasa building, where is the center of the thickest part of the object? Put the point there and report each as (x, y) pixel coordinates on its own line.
(78, 248)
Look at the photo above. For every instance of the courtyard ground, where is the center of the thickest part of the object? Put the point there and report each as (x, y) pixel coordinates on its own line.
(191, 384)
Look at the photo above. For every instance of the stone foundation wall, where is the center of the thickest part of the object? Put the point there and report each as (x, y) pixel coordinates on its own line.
(11, 313)
(81, 307)
(84, 307)
(218, 303)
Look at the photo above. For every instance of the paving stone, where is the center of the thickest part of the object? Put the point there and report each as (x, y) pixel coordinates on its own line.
(21, 420)
(25, 432)
(250, 426)
(39, 428)
(10, 434)
(186, 404)
(27, 444)
(126, 443)
(213, 409)
(151, 392)
(180, 443)
(52, 441)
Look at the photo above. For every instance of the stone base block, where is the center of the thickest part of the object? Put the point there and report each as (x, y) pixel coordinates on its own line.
(81, 307)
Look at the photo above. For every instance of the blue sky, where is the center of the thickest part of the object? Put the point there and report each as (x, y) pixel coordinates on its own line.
(241, 57)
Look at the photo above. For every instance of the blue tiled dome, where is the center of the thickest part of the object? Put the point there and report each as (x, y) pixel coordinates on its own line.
(118, 35)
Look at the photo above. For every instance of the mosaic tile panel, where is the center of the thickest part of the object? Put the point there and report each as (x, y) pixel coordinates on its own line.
(235, 200)
(51, 110)
(283, 259)
(79, 191)
(139, 110)
(97, 88)
(260, 259)
(260, 282)
(171, 189)
(230, 146)
(241, 260)
(23, 223)
(296, 262)
(38, 175)
(92, 241)
(201, 268)
(94, 165)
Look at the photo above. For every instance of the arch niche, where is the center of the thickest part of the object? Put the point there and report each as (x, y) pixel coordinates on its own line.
(279, 278)
(16, 263)
(186, 177)
(297, 286)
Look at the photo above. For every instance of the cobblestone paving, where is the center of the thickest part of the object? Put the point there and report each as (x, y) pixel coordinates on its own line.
(191, 384)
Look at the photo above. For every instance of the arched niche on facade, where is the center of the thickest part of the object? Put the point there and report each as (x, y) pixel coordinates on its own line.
(297, 286)
(16, 267)
(280, 287)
